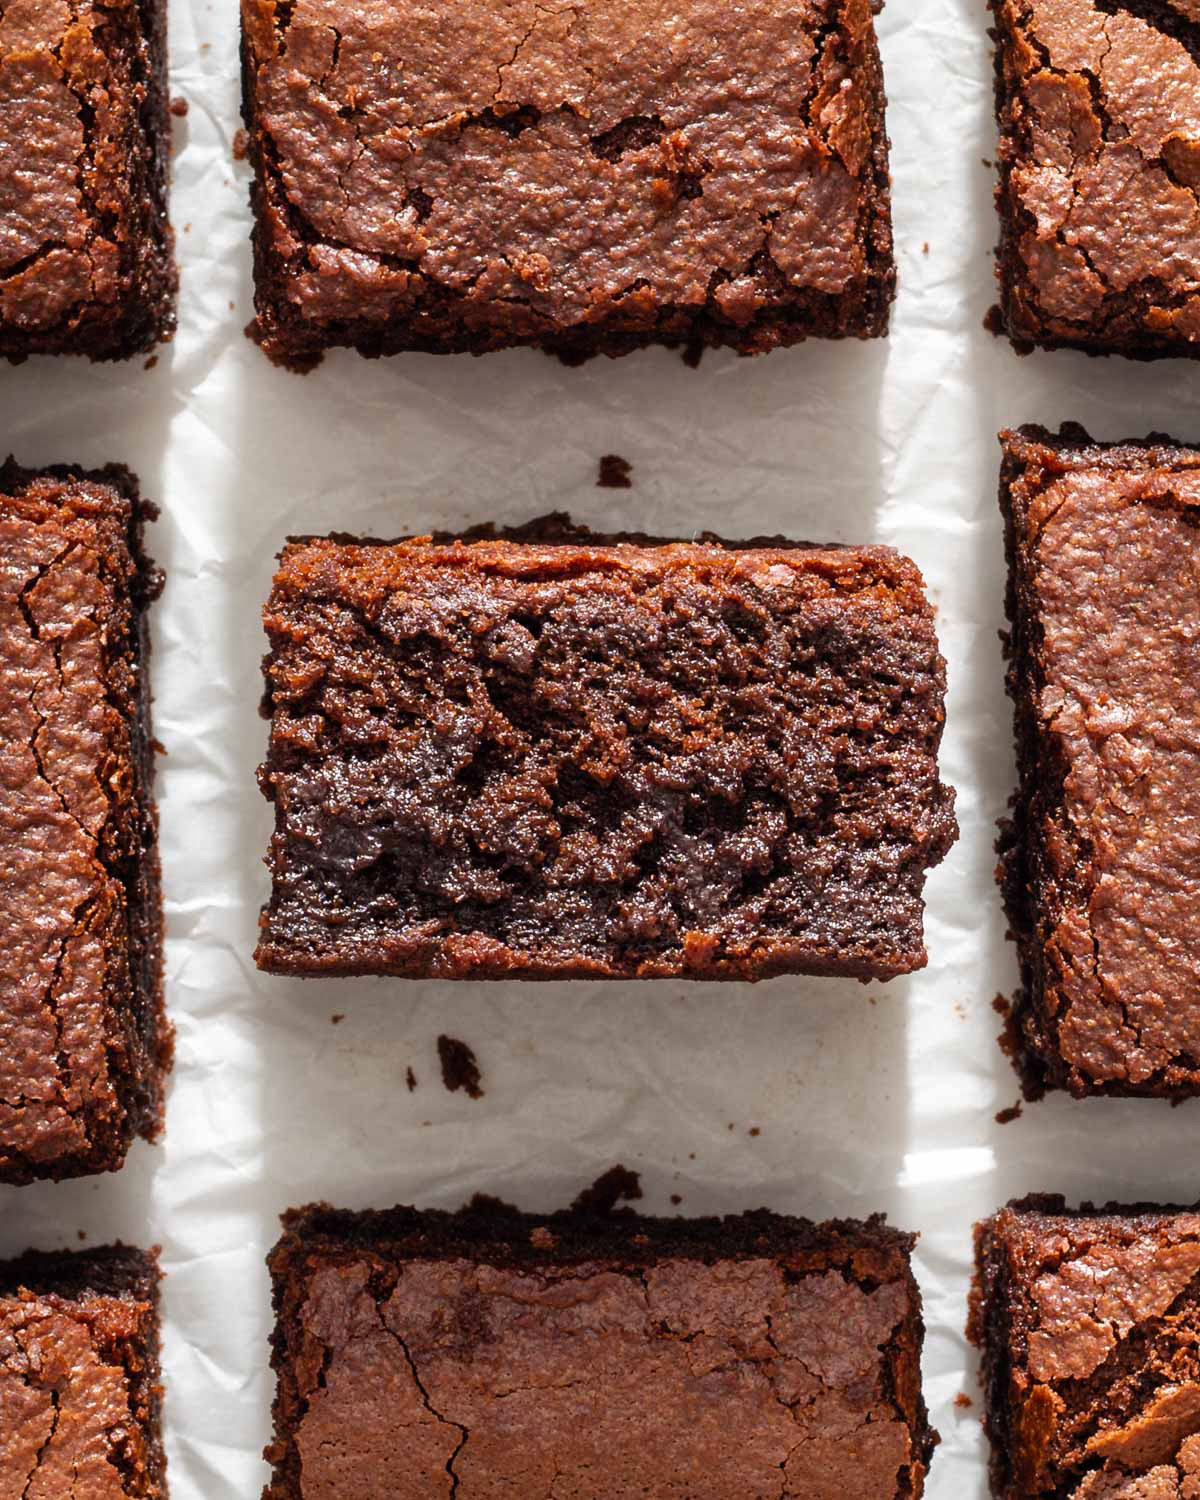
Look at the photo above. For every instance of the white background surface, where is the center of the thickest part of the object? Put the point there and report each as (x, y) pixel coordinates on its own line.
(870, 1098)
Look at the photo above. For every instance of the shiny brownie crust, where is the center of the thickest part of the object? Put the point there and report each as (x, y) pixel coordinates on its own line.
(79, 1376)
(86, 250)
(587, 178)
(1089, 1323)
(609, 1356)
(554, 755)
(84, 1045)
(1099, 171)
(1098, 861)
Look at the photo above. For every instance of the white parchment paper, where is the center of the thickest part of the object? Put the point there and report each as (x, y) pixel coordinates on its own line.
(807, 1096)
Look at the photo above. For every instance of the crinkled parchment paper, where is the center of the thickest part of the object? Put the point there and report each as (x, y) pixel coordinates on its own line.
(810, 1096)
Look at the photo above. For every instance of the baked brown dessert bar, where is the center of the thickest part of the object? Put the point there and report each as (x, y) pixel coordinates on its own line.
(86, 252)
(1099, 170)
(490, 1353)
(1089, 1324)
(84, 1045)
(555, 756)
(79, 1379)
(586, 178)
(1099, 866)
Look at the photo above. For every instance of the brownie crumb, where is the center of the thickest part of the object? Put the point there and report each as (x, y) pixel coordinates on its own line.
(963, 1401)
(754, 1130)
(616, 1185)
(337, 1018)
(460, 1069)
(676, 1199)
(1001, 1006)
(614, 473)
(241, 143)
(151, 362)
(1006, 1116)
(410, 1078)
(179, 108)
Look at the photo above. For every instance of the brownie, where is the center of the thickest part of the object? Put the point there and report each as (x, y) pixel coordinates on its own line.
(578, 757)
(84, 1044)
(1098, 862)
(490, 1353)
(1089, 1326)
(1099, 168)
(86, 252)
(80, 1400)
(587, 178)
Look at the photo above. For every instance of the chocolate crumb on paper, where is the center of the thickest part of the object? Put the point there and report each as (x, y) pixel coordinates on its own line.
(617, 1185)
(460, 1068)
(615, 473)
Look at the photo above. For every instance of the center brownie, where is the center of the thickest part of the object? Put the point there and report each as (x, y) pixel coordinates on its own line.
(585, 759)
(490, 1353)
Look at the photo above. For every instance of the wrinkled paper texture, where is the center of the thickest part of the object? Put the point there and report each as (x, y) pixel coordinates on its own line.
(811, 1096)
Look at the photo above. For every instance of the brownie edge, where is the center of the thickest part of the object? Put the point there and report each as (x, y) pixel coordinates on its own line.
(615, 1355)
(1088, 1322)
(80, 1385)
(86, 1043)
(1097, 863)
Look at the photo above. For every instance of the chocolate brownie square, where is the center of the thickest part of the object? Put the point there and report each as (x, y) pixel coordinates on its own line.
(586, 178)
(490, 1353)
(86, 251)
(1099, 865)
(1089, 1325)
(1099, 165)
(80, 1399)
(554, 755)
(84, 1044)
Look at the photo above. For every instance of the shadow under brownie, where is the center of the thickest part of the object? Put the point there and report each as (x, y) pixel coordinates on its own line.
(84, 1043)
(86, 251)
(1099, 868)
(555, 755)
(605, 1357)
(1099, 170)
(586, 178)
(1089, 1326)
(80, 1396)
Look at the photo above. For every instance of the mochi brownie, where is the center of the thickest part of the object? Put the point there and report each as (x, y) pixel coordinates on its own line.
(1089, 1323)
(586, 178)
(1099, 110)
(83, 1041)
(80, 1400)
(551, 755)
(1099, 862)
(491, 1352)
(86, 251)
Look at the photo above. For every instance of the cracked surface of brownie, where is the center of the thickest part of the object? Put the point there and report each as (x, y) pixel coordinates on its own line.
(588, 177)
(587, 758)
(86, 251)
(79, 1377)
(1099, 110)
(84, 1044)
(1089, 1326)
(492, 1353)
(1099, 860)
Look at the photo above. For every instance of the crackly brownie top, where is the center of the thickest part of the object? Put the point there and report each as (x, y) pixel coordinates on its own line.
(491, 1373)
(1103, 1341)
(564, 157)
(73, 1413)
(67, 688)
(625, 758)
(66, 109)
(1105, 166)
(1108, 577)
